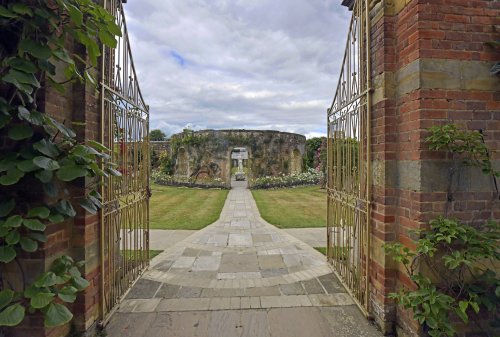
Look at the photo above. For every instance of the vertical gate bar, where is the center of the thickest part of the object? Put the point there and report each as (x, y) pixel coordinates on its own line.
(147, 182)
(368, 150)
(102, 293)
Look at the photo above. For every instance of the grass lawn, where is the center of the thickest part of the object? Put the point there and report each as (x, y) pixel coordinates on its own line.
(129, 254)
(298, 207)
(341, 251)
(322, 250)
(184, 208)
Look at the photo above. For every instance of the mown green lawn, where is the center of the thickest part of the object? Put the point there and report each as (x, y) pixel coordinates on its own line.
(184, 208)
(129, 254)
(292, 207)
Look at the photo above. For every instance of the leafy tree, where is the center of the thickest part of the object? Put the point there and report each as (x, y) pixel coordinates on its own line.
(157, 135)
(312, 146)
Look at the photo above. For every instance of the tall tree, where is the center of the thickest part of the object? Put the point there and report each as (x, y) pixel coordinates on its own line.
(157, 135)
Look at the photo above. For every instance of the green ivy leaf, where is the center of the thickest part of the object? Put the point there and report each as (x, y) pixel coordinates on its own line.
(113, 172)
(47, 148)
(463, 316)
(74, 272)
(71, 172)
(38, 237)
(47, 66)
(95, 200)
(13, 237)
(41, 300)
(12, 315)
(75, 14)
(7, 254)
(107, 39)
(22, 9)
(14, 221)
(36, 49)
(13, 176)
(114, 29)
(47, 279)
(63, 129)
(31, 291)
(90, 78)
(20, 132)
(17, 77)
(22, 64)
(6, 297)
(85, 152)
(34, 225)
(46, 163)
(56, 218)
(62, 279)
(6, 207)
(65, 207)
(39, 212)
(28, 245)
(475, 307)
(26, 166)
(97, 146)
(62, 55)
(88, 206)
(4, 12)
(80, 283)
(68, 294)
(57, 314)
(44, 176)
(3, 230)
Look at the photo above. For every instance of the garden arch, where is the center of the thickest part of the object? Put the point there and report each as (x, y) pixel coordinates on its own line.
(182, 162)
(295, 162)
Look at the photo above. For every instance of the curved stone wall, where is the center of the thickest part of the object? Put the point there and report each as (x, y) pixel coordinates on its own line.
(208, 152)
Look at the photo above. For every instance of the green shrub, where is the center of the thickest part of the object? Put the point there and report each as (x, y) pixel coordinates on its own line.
(311, 177)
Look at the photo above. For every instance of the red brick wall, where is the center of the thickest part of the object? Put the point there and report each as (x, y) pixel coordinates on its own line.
(433, 62)
(78, 237)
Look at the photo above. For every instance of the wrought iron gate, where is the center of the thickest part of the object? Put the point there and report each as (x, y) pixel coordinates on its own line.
(125, 132)
(349, 162)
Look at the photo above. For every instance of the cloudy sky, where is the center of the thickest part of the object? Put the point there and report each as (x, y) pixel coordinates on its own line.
(250, 64)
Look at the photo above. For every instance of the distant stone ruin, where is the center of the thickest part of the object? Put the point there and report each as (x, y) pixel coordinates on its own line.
(221, 153)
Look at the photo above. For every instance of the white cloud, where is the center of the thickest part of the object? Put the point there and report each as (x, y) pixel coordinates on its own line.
(261, 64)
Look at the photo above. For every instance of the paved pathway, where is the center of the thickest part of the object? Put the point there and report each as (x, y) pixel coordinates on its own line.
(239, 277)
(165, 238)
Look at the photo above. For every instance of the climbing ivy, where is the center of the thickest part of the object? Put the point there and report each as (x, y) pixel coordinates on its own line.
(39, 152)
(187, 138)
(453, 264)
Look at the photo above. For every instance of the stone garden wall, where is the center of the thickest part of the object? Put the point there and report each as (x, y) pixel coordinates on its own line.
(208, 152)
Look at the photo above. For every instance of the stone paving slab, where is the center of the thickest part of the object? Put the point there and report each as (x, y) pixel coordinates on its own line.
(340, 321)
(234, 302)
(240, 277)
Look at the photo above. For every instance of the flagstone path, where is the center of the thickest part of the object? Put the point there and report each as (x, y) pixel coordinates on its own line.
(239, 277)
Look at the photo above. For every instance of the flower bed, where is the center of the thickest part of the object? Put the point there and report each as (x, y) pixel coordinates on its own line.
(161, 178)
(310, 177)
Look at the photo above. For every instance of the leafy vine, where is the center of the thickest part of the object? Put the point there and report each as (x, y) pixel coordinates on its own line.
(40, 154)
(453, 264)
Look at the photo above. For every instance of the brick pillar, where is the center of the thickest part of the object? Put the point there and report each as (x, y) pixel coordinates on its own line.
(430, 65)
(85, 241)
(77, 237)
